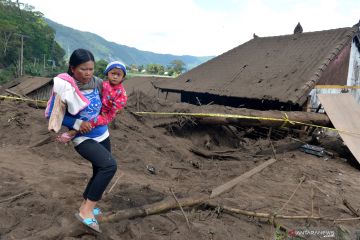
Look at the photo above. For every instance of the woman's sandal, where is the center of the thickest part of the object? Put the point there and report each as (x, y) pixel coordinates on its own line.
(98, 214)
(89, 222)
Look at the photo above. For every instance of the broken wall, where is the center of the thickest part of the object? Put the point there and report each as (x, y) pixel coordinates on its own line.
(344, 70)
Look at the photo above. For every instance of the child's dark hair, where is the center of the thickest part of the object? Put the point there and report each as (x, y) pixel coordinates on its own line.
(78, 57)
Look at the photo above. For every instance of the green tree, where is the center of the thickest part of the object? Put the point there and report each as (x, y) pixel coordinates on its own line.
(42, 55)
(177, 66)
(155, 69)
(100, 68)
(170, 71)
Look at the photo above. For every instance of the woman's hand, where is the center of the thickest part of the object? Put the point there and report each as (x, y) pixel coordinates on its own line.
(85, 127)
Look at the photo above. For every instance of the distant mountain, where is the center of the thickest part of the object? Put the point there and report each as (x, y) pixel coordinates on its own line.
(71, 39)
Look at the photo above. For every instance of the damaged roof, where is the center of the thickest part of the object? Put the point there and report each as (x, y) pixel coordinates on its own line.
(281, 68)
(29, 84)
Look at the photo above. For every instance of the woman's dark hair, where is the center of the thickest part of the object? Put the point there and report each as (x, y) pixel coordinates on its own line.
(78, 57)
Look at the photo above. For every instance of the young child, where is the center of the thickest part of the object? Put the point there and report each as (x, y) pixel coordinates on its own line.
(113, 98)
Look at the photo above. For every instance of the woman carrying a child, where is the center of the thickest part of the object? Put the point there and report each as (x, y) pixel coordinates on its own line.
(81, 93)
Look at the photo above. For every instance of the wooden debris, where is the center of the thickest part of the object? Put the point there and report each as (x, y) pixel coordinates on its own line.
(264, 116)
(348, 205)
(117, 179)
(229, 185)
(45, 140)
(302, 179)
(229, 151)
(212, 155)
(158, 207)
(14, 93)
(281, 148)
(272, 216)
(72, 229)
(41, 105)
(182, 210)
(167, 204)
(250, 117)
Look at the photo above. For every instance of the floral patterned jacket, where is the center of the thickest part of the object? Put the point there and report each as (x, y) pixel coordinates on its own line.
(113, 99)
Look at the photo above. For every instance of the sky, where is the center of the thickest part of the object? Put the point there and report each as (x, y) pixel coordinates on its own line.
(196, 27)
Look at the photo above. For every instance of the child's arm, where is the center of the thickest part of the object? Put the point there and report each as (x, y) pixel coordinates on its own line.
(105, 118)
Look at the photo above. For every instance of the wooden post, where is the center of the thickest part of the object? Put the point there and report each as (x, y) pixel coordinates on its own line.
(22, 55)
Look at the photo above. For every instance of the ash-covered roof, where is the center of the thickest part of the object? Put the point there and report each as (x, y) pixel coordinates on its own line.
(283, 68)
(30, 84)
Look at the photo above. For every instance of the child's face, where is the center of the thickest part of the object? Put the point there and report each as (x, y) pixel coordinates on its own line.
(115, 76)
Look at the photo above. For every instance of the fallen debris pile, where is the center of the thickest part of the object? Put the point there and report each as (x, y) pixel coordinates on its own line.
(210, 181)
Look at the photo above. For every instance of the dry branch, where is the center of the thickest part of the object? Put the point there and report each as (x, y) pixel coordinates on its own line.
(348, 205)
(13, 198)
(158, 207)
(117, 179)
(212, 155)
(292, 195)
(45, 140)
(272, 216)
(182, 210)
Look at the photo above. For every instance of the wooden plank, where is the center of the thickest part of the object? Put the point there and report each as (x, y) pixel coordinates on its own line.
(232, 183)
(336, 87)
(14, 93)
(344, 113)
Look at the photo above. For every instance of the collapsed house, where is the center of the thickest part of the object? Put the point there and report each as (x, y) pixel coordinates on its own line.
(281, 72)
(36, 88)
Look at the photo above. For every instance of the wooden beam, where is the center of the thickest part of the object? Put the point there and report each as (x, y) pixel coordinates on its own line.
(232, 183)
(264, 118)
(14, 93)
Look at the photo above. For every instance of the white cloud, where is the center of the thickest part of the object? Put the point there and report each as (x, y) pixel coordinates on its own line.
(184, 27)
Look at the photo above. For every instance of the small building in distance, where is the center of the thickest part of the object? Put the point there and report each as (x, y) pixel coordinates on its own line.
(36, 88)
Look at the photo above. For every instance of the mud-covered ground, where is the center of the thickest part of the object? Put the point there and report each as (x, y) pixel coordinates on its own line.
(41, 183)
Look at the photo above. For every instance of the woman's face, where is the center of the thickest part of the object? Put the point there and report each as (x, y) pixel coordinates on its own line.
(83, 72)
